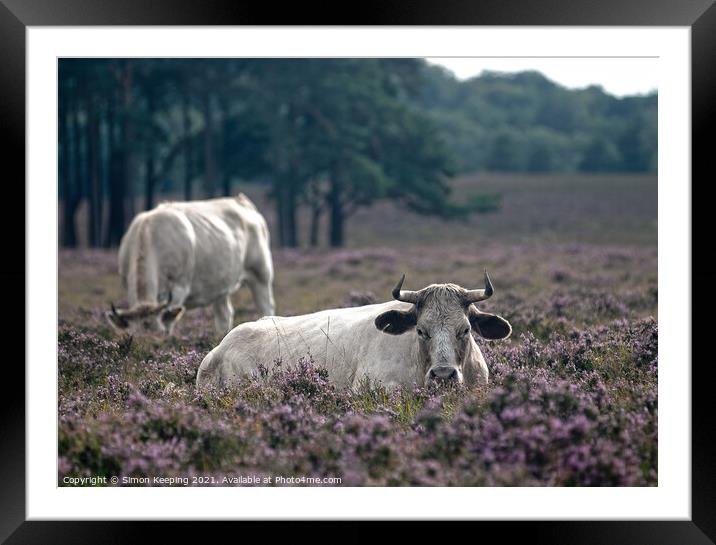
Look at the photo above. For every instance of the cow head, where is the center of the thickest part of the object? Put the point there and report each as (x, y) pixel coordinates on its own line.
(443, 315)
(146, 318)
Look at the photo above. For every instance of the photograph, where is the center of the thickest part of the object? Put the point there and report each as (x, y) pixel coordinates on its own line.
(357, 271)
(398, 266)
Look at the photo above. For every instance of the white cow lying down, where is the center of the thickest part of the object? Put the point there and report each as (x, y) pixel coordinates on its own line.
(192, 254)
(422, 336)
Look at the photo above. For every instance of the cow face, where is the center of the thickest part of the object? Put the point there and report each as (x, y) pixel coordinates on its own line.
(443, 317)
(145, 319)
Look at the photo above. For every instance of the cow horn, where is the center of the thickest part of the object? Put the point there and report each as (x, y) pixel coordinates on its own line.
(473, 296)
(406, 296)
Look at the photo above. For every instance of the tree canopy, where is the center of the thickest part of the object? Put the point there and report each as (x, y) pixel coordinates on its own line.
(328, 135)
(523, 122)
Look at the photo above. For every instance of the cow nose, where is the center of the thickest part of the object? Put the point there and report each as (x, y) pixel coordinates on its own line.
(443, 373)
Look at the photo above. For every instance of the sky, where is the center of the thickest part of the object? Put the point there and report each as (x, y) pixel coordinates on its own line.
(618, 76)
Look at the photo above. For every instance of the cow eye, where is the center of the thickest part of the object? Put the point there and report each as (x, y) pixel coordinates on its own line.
(422, 333)
(464, 332)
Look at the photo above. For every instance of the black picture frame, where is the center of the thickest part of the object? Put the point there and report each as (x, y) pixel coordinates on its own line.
(699, 15)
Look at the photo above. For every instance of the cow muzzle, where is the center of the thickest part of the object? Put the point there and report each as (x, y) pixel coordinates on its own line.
(444, 373)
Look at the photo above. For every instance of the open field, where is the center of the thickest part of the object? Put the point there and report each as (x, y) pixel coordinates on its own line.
(597, 208)
(573, 392)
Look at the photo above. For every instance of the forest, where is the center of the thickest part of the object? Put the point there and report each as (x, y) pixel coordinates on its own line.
(325, 137)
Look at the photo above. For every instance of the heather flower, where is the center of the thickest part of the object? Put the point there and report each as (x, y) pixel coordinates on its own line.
(572, 398)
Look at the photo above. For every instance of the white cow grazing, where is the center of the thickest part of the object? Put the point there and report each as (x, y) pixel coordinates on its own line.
(192, 254)
(423, 336)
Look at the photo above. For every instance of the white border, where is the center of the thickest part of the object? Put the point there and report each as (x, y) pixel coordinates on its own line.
(670, 500)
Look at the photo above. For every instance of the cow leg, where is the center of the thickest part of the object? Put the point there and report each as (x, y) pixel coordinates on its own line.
(223, 315)
(262, 292)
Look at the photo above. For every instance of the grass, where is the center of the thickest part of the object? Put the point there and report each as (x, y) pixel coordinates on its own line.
(572, 398)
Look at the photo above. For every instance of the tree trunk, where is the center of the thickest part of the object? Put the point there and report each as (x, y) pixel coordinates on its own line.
(336, 235)
(291, 226)
(149, 181)
(316, 212)
(64, 159)
(73, 192)
(188, 162)
(113, 170)
(111, 165)
(119, 122)
(127, 76)
(223, 150)
(285, 194)
(83, 158)
(94, 227)
(209, 152)
(280, 215)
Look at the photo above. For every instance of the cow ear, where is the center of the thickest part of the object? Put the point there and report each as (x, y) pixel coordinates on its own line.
(396, 322)
(118, 322)
(489, 326)
(171, 315)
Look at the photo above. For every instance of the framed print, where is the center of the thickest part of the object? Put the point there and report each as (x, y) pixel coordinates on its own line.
(465, 331)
